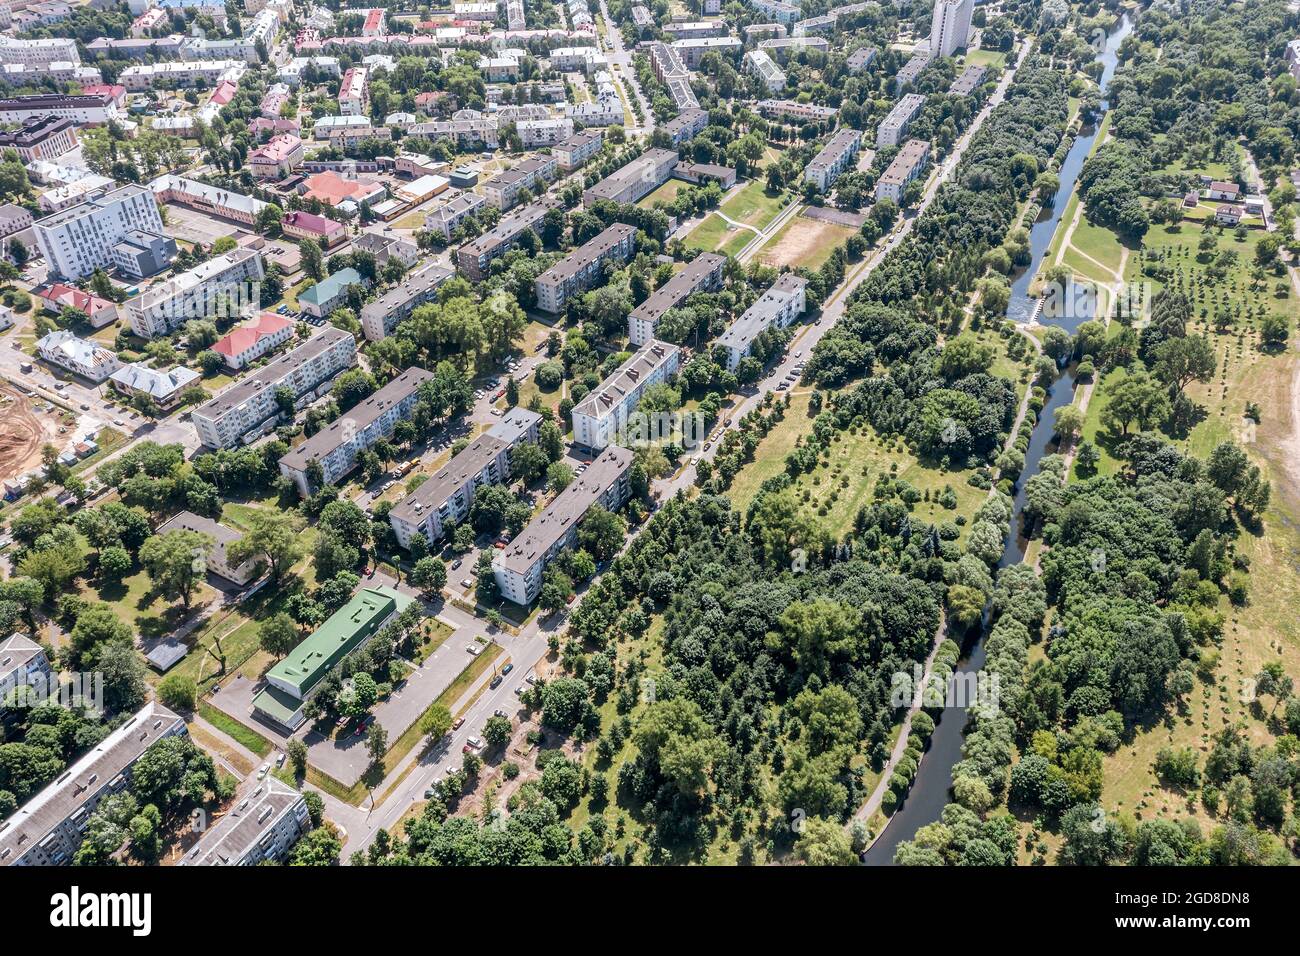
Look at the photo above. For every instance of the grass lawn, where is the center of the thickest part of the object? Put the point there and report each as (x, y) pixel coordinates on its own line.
(243, 735)
(836, 489)
(715, 234)
(753, 205)
(986, 58)
(149, 614)
(435, 633)
(665, 193)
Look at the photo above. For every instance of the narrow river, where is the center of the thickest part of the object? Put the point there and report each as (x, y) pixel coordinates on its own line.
(930, 791)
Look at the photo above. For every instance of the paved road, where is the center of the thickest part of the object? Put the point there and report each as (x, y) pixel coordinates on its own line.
(625, 75)
(833, 308)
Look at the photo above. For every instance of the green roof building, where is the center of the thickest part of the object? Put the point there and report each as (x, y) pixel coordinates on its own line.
(328, 294)
(290, 682)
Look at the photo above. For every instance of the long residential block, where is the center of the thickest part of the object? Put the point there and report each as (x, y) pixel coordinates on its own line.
(380, 317)
(638, 178)
(80, 240)
(446, 498)
(474, 258)
(895, 123)
(600, 417)
(245, 410)
(907, 165)
(224, 281)
(335, 447)
(702, 273)
(518, 568)
(47, 830)
(780, 305)
(580, 269)
(267, 819)
(833, 158)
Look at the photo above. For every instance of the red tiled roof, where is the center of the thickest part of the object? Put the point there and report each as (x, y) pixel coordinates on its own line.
(73, 298)
(246, 336)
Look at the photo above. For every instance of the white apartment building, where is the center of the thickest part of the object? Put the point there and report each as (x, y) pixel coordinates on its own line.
(504, 189)
(780, 305)
(638, 178)
(892, 128)
(225, 282)
(23, 664)
(759, 64)
(445, 499)
(694, 50)
(446, 218)
(38, 52)
(950, 26)
(580, 269)
(547, 132)
(267, 819)
(701, 273)
(833, 158)
(136, 79)
(380, 317)
(776, 11)
(86, 109)
(354, 92)
(47, 830)
(77, 241)
(601, 416)
(82, 357)
(335, 447)
(579, 148)
(518, 568)
(247, 409)
(907, 165)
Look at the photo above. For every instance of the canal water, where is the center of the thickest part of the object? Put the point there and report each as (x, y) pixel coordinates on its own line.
(931, 788)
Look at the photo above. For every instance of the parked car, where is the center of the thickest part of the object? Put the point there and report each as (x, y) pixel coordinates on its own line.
(475, 648)
(508, 668)
(495, 682)
(467, 583)
(458, 723)
(500, 712)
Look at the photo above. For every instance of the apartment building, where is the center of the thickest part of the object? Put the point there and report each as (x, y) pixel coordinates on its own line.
(695, 29)
(306, 225)
(212, 200)
(685, 126)
(860, 59)
(780, 305)
(335, 447)
(330, 293)
(80, 240)
(776, 11)
(907, 165)
(23, 664)
(47, 830)
(969, 81)
(354, 92)
(576, 59)
(468, 133)
(638, 178)
(703, 273)
(38, 52)
(474, 258)
(380, 317)
(578, 148)
(892, 128)
(163, 387)
(139, 254)
(255, 338)
(694, 50)
(82, 357)
(446, 498)
(834, 158)
(267, 819)
(758, 63)
(224, 282)
(794, 112)
(912, 69)
(950, 26)
(249, 407)
(782, 48)
(544, 132)
(216, 558)
(504, 189)
(86, 109)
(518, 568)
(278, 157)
(812, 25)
(671, 71)
(298, 675)
(185, 73)
(582, 268)
(602, 415)
(44, 138)
(445, 219)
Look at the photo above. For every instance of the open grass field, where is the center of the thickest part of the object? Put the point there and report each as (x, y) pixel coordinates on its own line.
(1266, 628)
(715, 234)
(803, 242)
(754, 206)
(665, 193)
(986, 58)
(843, 483)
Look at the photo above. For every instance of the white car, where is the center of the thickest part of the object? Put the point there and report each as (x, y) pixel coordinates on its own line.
(475, 648)
(467, 583)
